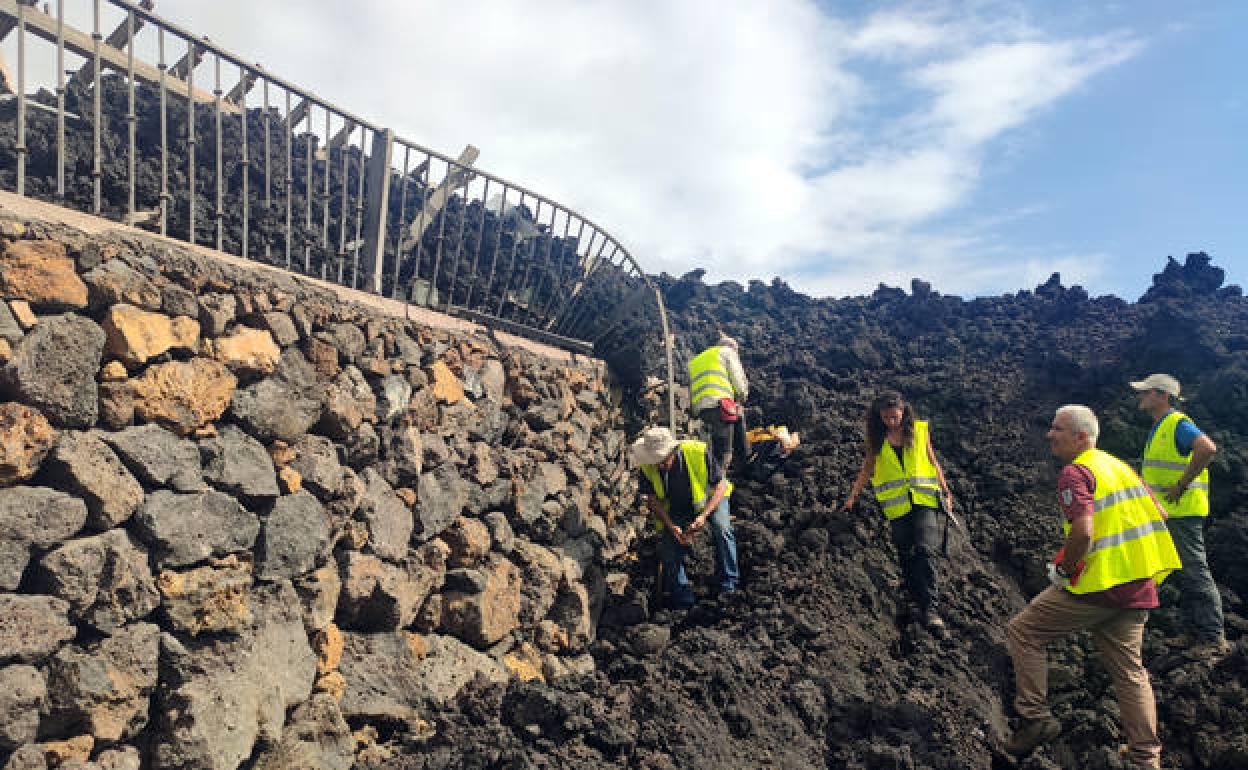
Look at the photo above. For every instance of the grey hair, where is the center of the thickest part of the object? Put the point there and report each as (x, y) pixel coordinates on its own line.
(1082, 419)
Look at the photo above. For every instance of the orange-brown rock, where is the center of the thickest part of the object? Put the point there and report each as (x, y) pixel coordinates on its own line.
(78, 748)
(183, 395)
(135, 335)
(447, 388)
(282, 453)
(334, 684)
(113, 371)
(22, 313)
(323, 356)
(417, 644)
(247, 350)
(481, 619)
(525, 663)
(208, 599)
(42, 274)
(469, 540)
(26, 436)
(328, 645)
(290, 480)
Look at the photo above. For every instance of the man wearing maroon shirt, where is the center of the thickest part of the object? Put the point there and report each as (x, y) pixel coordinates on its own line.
(1116, 615)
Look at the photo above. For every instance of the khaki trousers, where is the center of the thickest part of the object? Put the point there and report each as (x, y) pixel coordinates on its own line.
(1117, 634)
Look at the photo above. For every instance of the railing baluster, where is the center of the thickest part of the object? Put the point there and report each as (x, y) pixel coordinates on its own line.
(476, 259)
(437, 258)
(359, 214)
(216, 110)
(459, 249)
(164, 135)
(307, 203)
(498, 244)
(546, 268)
(528, 265)
(585, 300)
(191, 156)
(268, 187)
(245, 162)
(60, 100)
(343, 188)
(418, 225)
(511, 262)
(578, 292)
(131, 117)
(324, 193)
(289, 163)
(554, 290)
(19, 144)
(97, 192)
(398, 237)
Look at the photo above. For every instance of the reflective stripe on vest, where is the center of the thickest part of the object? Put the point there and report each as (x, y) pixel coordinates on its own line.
(694, 454)
(707, 377)
(1163, 466)
(1130, 540)
(895, 486)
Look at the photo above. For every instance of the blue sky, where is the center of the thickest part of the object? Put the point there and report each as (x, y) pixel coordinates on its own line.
(1149, 159)
(979, 145)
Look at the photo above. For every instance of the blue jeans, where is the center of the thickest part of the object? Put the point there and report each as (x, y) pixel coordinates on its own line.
(673, 554)
(1201, 604)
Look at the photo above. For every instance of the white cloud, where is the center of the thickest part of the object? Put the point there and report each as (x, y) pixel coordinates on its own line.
(996, 86)
(753, 139)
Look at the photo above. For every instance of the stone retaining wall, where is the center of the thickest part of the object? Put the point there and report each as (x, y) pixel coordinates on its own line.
(243, 521)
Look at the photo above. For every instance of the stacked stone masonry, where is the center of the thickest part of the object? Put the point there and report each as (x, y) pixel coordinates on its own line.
(245, 523)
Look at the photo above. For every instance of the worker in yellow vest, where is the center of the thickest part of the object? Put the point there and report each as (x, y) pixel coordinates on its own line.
(1104, 581)
(908, 483)
(684, 489)
(1176, 467)
(718, 389)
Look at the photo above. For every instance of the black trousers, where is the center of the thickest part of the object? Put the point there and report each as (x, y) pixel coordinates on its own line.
(917, 538)
(725, 436)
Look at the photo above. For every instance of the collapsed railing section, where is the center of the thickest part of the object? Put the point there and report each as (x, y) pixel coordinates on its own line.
(212, 149)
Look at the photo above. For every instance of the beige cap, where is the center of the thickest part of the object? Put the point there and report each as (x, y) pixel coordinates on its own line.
(653, 446)
(1163, 382)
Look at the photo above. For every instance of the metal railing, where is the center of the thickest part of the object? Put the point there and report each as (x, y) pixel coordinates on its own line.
(254, 165)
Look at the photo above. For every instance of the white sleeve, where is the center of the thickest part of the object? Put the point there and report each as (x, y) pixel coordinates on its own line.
(731, 362)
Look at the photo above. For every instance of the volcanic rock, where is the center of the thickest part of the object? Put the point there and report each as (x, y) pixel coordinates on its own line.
(53, 370)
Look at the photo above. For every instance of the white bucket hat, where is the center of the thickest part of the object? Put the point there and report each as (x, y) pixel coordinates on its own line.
(1163, 382)
(653, 446)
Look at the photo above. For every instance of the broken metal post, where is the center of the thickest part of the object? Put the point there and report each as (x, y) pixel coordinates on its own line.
(376, 205)
(456, 176)
(119, 38)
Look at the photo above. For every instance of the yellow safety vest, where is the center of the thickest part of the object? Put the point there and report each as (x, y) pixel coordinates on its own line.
(694, 453)
(895, 486)
(1129, 536)
(1163, 466)
(707, 377)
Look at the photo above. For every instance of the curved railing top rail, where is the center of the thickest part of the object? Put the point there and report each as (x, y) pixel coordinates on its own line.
(276, 186)
(238, 61)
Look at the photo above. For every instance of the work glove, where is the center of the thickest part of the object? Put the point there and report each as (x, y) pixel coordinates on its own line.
(1057, 576)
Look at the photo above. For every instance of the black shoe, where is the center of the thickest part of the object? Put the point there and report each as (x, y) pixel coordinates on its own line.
(1031, 733)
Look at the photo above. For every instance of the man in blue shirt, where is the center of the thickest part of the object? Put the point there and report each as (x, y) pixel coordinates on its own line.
(1175, 466)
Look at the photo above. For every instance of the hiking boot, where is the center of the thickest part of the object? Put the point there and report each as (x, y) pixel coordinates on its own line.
(1209, 649)
(1031, 733)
